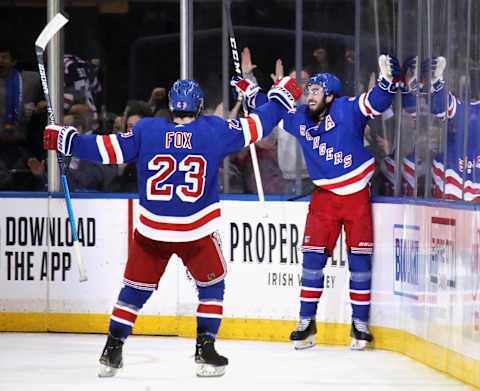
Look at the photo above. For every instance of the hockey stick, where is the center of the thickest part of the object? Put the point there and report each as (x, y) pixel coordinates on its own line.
(299, 196)
(53, 26)
(238, 71)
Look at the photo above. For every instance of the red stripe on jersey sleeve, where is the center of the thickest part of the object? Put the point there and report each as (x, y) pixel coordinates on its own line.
(253, 129)
(437, 171)
(408, 169)
(110, 151)
(452, 181)
(367, 109)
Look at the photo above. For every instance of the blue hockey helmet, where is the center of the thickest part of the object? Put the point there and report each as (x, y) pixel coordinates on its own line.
(185, 95)
(330, 83)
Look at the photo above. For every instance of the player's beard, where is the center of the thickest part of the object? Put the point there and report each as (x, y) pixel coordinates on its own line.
(319, 113)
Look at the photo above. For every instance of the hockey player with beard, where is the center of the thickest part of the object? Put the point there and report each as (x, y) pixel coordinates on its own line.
(177, 169)
(330, 130)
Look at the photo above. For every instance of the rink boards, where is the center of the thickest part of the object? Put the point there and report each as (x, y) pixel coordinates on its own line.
(425, 287)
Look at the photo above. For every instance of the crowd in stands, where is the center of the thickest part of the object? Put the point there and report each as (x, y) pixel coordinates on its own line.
(23, 115)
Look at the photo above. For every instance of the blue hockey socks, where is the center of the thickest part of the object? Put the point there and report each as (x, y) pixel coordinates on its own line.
(360, 283)
(312, 283)
(125, 312)
(210, 308)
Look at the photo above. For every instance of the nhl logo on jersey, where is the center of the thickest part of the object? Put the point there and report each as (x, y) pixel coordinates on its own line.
(329, 124)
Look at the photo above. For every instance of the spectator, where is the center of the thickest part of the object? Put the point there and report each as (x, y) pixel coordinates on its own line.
(287, 157)
(107, 120)
(290, 159)
(320, 63)
(81, 85)
(158, 102)
(136, 107)
(349, 73)
(118, 124)
(126, 179)
(84, 175)
(242, 177)
(20, 92)
(20, 97)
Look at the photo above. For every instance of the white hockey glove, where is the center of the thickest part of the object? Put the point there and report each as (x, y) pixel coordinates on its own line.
(285, 91)
(389, 75)
(247, 89)
(59, 138)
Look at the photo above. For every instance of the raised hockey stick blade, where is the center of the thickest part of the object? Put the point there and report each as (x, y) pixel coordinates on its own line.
(238, 70)
(55, 24)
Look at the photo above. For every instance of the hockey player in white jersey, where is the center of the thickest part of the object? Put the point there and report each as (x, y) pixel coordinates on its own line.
(330, 131)
(177, 169)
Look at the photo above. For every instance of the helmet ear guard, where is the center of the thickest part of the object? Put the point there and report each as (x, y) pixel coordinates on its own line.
(186, 96)
(330, 83)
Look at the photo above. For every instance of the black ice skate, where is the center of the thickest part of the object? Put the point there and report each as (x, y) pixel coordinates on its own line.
(210, 363)
(111, 358)
(303, 336)
(361, 335)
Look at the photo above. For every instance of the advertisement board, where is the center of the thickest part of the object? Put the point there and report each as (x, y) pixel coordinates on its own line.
(425, 299)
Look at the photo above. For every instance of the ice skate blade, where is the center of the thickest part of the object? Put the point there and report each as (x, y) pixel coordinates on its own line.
(305, 344)
(207, 370)
(106, 371)
(359, 344)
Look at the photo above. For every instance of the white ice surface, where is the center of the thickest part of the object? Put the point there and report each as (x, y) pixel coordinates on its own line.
(52, 362)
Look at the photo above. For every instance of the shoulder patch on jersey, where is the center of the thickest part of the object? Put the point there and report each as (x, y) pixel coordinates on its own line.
(329, 124)
(234, 124)
(303, 128)
(126, 134)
